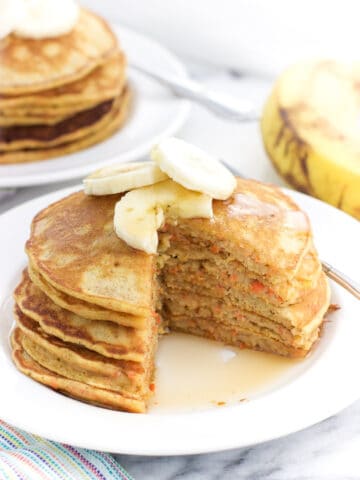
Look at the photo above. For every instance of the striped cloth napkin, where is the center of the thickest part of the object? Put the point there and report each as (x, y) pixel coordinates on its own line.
(27, 457)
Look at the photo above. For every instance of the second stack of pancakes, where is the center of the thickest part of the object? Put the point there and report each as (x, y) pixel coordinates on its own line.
(62, 94)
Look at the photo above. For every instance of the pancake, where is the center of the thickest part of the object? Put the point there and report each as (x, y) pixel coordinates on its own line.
(36, 136)
(74, 247)
(72, 128)
(196, 302)
(215, 276)
(97, 396)
(82, 308)
(30, 65)
(299, 331)
(100, 131)
(103, 83)
(20, 118)
(79, 363)
(104, 337)
(52, 106)
(258, 226)
(241, 338)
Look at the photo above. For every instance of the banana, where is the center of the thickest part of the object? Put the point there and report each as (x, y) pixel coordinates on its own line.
(122, 178)
(141, 212)
(311, 131)
(193, 168)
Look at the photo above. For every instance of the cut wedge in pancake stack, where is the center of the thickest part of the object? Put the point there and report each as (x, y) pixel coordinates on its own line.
(243, 271)
(60, 94)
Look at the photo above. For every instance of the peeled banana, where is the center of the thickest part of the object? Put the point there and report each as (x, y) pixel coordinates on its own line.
(311, 131)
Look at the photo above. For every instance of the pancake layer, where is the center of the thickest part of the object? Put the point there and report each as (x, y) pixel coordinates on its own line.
(100, 131)
(104, 82)
(105, 337)
(78, 390)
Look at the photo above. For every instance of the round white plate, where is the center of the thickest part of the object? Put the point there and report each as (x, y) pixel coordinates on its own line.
(313, 390)
(155, 113)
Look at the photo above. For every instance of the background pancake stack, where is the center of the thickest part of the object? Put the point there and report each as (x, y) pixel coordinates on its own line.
(61, 94)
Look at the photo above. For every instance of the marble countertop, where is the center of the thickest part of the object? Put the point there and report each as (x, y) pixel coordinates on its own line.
(327, 451)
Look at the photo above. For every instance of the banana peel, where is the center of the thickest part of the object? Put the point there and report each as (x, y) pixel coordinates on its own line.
(311, 131)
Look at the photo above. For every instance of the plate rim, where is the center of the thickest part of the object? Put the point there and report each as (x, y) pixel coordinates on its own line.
(176, 418)
(183, 111)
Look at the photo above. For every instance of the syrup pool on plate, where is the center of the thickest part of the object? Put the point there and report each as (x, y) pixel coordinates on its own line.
(192, 372)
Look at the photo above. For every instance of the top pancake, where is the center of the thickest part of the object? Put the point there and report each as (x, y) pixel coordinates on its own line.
(29, 65)
(83, 308)
(259, 226)
(74, 247)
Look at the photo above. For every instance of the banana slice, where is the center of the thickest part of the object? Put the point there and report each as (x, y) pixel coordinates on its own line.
(122, 178)
(193, 168)
(140, 213)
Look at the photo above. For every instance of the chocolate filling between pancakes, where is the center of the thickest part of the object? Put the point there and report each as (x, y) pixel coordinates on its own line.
(44, 133)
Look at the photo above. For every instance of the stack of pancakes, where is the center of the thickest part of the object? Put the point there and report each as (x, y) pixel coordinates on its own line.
(86, 321)
(61, 94)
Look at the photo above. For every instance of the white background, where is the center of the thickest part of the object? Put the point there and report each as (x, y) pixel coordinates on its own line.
(252, 35)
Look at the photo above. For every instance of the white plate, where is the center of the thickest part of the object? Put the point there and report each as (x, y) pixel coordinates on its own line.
(155, 113)
(315, 389)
